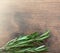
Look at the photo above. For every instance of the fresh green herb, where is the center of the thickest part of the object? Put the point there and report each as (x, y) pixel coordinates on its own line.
(27, 44)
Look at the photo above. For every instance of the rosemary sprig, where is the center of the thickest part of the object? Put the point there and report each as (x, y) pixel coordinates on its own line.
(26, 44)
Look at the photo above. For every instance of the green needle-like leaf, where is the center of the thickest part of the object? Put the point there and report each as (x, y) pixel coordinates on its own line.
(27, 43)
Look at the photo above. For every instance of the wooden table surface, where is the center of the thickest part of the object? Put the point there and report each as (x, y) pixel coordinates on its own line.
(28, 16)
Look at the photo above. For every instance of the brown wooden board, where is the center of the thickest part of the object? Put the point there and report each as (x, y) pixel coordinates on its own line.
(28, 16)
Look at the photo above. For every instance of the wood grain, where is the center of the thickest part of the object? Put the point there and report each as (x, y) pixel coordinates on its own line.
(28, 16)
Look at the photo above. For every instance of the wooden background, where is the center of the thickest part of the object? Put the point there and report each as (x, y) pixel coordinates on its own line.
(28, 16)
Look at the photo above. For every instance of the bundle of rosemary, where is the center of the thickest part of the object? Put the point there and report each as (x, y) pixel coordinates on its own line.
(32, 43)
